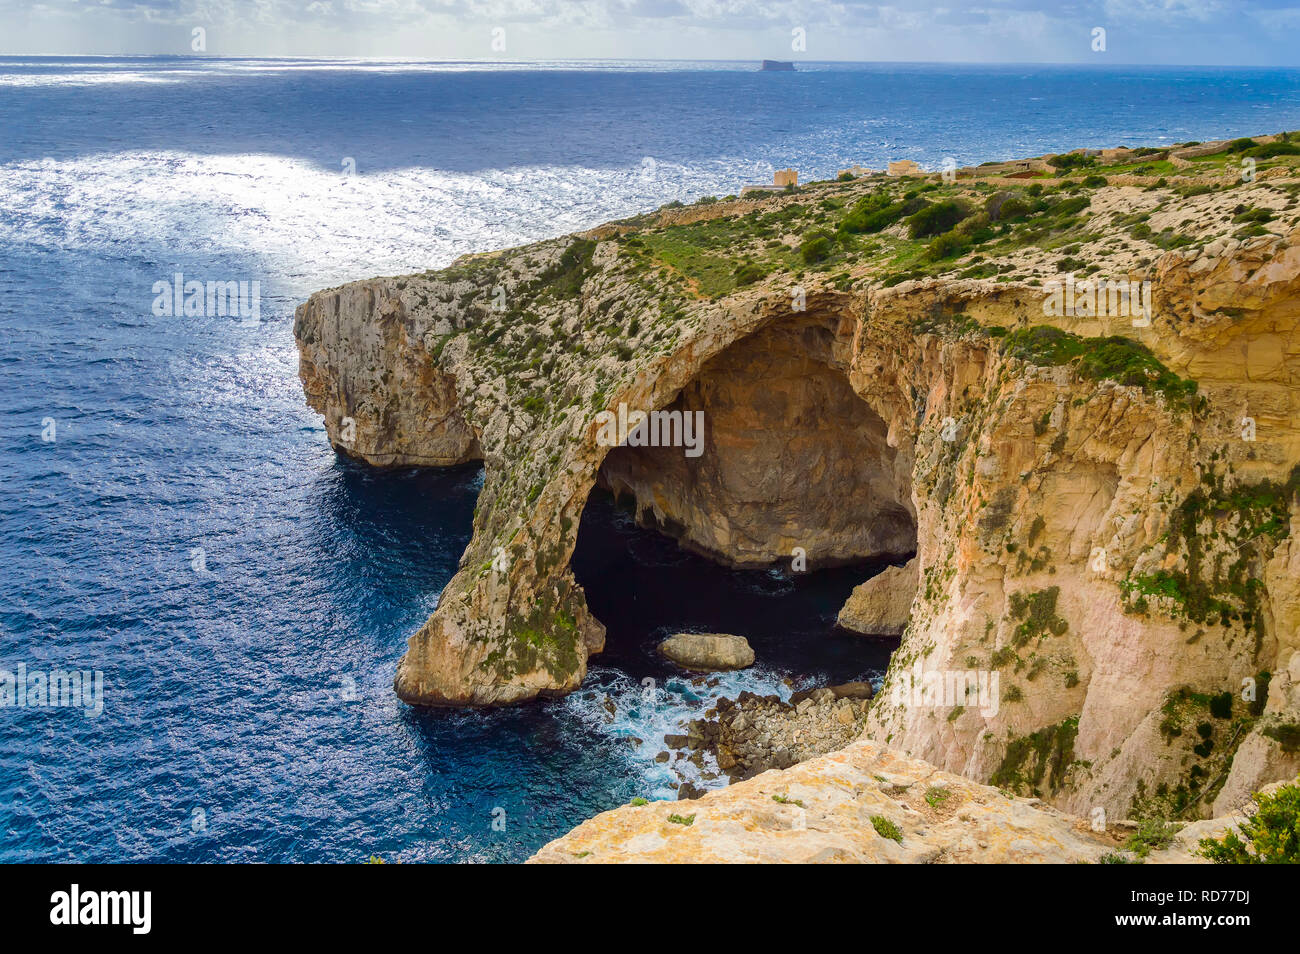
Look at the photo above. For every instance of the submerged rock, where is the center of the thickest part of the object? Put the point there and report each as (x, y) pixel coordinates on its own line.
(708, 651)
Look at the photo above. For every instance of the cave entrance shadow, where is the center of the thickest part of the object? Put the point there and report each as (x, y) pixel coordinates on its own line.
(794, 465)
(644, 587)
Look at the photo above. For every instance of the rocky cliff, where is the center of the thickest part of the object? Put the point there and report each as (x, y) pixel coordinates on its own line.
(1101, 501)
(865, 804)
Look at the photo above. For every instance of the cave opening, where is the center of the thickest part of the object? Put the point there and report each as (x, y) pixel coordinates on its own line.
(796, 498)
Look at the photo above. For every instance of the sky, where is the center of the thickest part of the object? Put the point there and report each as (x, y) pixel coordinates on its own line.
(1209, 32)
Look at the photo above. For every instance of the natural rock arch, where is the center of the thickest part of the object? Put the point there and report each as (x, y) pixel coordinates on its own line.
(793, 463)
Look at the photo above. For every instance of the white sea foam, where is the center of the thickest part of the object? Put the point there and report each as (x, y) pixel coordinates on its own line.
(648, 713)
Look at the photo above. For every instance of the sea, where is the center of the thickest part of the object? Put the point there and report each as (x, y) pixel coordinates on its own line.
(174, 524)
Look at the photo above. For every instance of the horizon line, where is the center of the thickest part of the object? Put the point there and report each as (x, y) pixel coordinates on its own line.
(633, 59)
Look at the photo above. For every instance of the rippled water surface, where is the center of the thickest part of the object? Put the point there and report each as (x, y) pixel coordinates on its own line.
(247, 594)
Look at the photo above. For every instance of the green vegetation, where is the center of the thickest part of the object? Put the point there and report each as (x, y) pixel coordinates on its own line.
(1286, 734)
(1037, 612)
(1210, 726)
(878, 211)
(1272, 150)
(1072, 160)
(781, 799)
(886, 828)
(949, 325)
(816, 248)
(1041, 756)
(565, 278)
(547, 638)
(686, 820)
(1269, 835)
(1207, 591)
(639, 801)
(1152, 834)
(936, 796)
(1111, 358)
(936, 219)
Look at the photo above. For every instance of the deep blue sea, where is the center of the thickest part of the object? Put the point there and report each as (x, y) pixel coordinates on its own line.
(172, 515)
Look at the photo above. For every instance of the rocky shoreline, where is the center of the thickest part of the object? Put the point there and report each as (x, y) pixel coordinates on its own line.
(752, 734)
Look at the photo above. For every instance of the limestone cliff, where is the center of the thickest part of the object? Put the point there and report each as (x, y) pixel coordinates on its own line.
(1102, 507)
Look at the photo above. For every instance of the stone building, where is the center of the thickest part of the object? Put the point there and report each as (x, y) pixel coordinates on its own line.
(904, 167)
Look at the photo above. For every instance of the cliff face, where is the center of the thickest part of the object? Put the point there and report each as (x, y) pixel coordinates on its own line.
(1104, 525)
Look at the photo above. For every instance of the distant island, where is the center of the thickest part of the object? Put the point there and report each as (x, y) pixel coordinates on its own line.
(777, 66)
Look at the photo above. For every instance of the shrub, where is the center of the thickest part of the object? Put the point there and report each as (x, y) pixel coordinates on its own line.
(815, 248)
(565, 277)
(947, 245)
(1095, 182)
(936, 219)
(1245, 214)
(1152, 834)
(1271, 149)
(886, 829)
(1111, 358)
(1072, 160)
(1285, 734)
(1006, 205)
(748, 273)
(1221, 705)
(937, 796)
(876, 212)
(1070, 206)
(1270, 835)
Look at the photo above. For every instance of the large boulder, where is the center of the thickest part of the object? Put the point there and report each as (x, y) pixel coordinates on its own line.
(879, 607)
(708, 651)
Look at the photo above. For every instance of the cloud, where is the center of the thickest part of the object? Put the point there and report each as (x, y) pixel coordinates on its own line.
(988, 30)
(1167, 10)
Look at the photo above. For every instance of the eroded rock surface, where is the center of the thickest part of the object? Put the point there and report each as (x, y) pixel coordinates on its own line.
(864, 804)
(792, 458)
(880, 606)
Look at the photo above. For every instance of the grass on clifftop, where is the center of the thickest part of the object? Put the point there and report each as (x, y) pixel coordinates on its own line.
(1111, 358)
